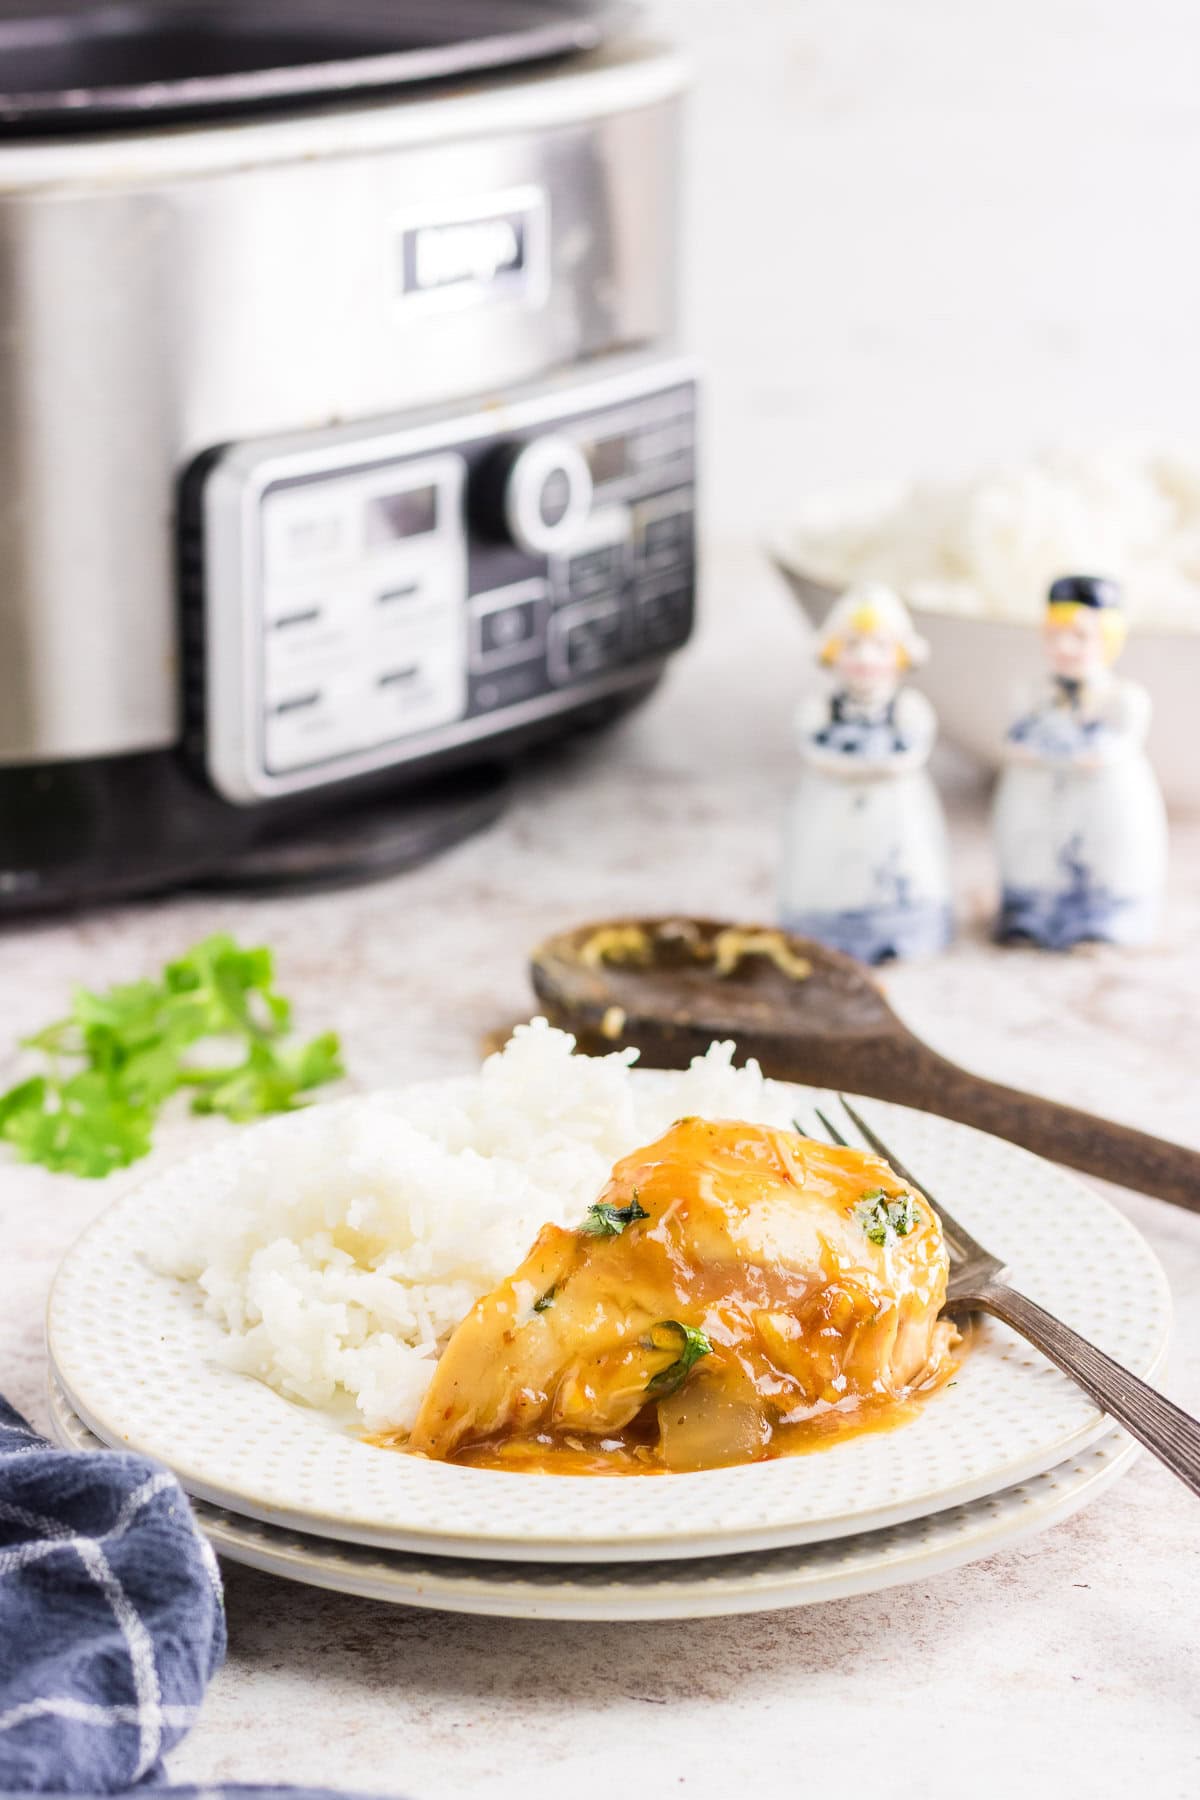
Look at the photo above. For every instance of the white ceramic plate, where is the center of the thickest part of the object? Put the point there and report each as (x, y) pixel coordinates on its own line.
(696, 1588)
(137, 1359)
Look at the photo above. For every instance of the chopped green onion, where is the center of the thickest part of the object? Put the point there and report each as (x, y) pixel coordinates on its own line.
(882, 1218)
(692, 1345)
(603, 1220)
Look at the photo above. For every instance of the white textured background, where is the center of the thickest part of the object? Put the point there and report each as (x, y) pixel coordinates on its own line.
(924, 232)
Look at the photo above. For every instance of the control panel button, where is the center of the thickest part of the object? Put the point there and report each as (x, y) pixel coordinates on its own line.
(416, 660)
(307, 721)
(423, 686)
(305, 622)
(414, 603)
(596, 564)
(554, 499)
(593, 572)
(586, 640)
(537, 493)
(665, 619)
(665, 536)
(549, 494)
(509, 624)
(304, 530)
(509, 629)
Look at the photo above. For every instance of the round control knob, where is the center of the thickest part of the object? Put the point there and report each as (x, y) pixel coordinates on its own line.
(538, 492)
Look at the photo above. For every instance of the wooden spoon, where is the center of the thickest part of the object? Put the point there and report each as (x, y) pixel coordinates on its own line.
(812, 1015)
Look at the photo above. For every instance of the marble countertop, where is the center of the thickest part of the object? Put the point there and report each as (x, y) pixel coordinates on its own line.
(1074, 1656)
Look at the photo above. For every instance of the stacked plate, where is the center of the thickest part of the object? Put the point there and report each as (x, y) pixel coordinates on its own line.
(1008, 1448)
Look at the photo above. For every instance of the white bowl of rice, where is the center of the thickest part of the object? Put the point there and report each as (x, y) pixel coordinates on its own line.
(974, 560)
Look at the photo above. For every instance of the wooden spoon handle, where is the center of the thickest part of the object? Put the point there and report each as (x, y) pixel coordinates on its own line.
(895, 1065)
(1117, 1153)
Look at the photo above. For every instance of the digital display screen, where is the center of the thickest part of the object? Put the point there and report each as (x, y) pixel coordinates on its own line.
(406, 515)
(608, 459)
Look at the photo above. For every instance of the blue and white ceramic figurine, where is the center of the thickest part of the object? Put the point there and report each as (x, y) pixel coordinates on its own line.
(865, 866)
(1080, 827)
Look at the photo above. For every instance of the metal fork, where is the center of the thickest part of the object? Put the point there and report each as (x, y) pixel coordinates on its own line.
(977, 1284)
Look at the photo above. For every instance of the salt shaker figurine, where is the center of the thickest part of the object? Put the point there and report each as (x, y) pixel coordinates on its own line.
(1080, 826)
(865, 866)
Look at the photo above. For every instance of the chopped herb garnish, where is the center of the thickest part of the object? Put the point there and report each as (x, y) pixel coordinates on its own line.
(119, 1055)
(546, 1301)
(603, 1220)
(691, 1345)
(883, 1218)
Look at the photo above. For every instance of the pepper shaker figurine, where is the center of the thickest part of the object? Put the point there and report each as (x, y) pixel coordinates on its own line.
(1079, 822)
(865, 865)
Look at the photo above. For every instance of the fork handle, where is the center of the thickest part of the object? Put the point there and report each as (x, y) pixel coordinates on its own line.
(1165, 1429)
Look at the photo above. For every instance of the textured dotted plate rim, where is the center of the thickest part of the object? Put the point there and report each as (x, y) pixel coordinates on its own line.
(135, 1356)
(697, 1588)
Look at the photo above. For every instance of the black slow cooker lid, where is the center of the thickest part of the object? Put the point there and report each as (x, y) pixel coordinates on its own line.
(86, 64)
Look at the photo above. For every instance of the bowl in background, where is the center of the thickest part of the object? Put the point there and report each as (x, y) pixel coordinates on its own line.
(978, 667)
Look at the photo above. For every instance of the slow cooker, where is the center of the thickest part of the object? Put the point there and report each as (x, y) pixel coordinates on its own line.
(346, 447)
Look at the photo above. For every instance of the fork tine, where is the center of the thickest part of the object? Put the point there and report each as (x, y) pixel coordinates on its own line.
(831, 1130)
(958, 1240)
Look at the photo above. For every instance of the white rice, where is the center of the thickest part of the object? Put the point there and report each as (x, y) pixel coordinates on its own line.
(345, 1248)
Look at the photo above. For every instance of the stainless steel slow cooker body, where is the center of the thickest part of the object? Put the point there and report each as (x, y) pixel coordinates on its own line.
(176, 293)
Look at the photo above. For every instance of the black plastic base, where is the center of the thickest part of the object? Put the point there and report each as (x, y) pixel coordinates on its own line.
(77, 833)
(373, 840)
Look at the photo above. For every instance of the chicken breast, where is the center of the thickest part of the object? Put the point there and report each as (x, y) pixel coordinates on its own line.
(733, 1283)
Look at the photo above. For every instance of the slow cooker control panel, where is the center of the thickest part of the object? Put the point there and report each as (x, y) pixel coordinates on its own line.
(356, 599)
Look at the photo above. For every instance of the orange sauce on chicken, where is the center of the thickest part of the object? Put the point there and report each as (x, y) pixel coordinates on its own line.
(737, 1293)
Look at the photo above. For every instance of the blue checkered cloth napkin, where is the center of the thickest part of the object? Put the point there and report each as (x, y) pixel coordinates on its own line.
(111, 1617)
(111, 1624)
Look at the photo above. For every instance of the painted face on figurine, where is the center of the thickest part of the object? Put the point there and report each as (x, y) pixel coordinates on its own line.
(868, 665)
(868, 644)
(1082, 641)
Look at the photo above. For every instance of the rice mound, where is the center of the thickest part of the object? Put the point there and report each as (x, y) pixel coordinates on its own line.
(342, 1252)
(992, 544)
